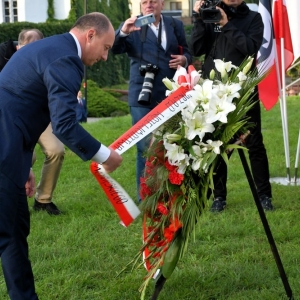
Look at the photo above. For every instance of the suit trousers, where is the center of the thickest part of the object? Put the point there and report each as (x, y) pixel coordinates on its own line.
(257, 157)
(54, 152)
(14, 230)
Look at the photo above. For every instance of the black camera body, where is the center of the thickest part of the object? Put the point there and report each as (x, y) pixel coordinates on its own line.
(148, 71)
(209, 13)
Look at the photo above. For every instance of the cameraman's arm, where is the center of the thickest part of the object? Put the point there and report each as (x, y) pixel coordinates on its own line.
(246, 43)
(121, 35)
(199, 35)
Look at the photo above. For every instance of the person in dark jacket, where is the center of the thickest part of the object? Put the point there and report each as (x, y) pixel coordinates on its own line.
(161, 47)
(39, 85)
(238, 35)
(81, 109)
(7, 49)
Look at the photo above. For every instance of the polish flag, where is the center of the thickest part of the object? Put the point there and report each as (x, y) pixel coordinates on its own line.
(269, 88)
(282, 31)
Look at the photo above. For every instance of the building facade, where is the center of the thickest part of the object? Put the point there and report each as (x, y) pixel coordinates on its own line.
(32, 10)
(180, 9)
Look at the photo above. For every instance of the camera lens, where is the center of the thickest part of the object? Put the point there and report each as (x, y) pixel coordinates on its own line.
(145, 94)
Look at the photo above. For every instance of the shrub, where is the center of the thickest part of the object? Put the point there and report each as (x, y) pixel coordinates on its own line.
(104, 104)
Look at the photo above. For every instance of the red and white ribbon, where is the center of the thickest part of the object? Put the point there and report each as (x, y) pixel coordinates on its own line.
(121, 201)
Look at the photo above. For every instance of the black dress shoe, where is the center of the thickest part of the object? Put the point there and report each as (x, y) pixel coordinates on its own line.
(218, 204)
(266, 202)
(50, 208)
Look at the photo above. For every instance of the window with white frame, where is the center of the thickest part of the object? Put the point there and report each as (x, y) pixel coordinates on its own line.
(175, 5)
(10, 11)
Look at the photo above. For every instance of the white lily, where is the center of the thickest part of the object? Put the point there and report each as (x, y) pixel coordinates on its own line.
(212, 74)
(242, 77)
(229, 90)
(183, 164)
(192, 106)
(204, 93)
(168, 83)
(198, 126)
(223, 67)
(174, 153)
(214, 146)
(173, 137)
(219, 109)
(197, 159)
(248, 65)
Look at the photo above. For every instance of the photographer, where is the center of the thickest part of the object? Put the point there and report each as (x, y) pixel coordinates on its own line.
(154, 54)
(236, 35)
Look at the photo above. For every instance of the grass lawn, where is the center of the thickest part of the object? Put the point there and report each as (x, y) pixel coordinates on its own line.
(77, 255)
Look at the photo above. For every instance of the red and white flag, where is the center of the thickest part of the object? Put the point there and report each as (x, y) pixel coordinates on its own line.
(282, 31)
(269, 88)
(293, 7)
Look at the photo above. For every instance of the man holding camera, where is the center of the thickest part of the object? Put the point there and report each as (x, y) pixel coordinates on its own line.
(228, 30)
(155, 51)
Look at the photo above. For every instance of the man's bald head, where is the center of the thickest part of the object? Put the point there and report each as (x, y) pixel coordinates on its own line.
(95, 20)
(95, 35)
(27, 36)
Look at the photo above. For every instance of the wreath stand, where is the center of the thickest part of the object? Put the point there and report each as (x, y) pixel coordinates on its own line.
(162, 280)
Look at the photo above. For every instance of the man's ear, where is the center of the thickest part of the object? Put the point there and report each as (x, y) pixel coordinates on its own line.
(91, 35)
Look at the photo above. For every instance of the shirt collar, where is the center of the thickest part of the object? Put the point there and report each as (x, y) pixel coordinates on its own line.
(77, 44)
(161, 22)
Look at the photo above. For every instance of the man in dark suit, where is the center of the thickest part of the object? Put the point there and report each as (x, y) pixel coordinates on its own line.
(81, 108)
(161, 44)
(39, 84)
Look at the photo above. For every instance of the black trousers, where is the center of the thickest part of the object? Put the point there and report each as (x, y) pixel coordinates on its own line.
(257, 157)
(14, 230)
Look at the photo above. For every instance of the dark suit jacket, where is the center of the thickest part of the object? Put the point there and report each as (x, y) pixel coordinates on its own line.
(39, 84)
(150, 52)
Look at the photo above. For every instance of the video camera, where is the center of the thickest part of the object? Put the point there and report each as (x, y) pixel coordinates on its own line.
(209, 13)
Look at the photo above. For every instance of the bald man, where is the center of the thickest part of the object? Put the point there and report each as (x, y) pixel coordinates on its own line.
(39, 84)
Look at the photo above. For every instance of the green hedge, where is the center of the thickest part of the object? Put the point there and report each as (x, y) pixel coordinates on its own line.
(116, 69)
(104, 104)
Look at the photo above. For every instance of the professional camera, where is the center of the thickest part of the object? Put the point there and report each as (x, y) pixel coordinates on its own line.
(209, 13)
(149, 71)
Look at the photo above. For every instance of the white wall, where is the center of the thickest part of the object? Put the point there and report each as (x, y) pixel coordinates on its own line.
(62, 9)
(32, 10)
(36, 10)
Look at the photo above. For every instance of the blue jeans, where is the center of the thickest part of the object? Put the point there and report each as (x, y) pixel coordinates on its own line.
(137, 113)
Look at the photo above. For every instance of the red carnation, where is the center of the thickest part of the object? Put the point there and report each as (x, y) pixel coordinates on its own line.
(170, 167)
(176, 178)
(162, 209)
(169, 234)
(145, 190)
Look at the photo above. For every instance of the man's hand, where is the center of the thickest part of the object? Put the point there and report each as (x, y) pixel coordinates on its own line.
(30, 185)
(177, 60)
(113, 162)
(129, 26)
(224, 19)
(197, 5)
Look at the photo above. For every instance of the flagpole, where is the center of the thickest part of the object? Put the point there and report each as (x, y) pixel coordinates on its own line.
(297, 159)
(284, 113)
(283, 109)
